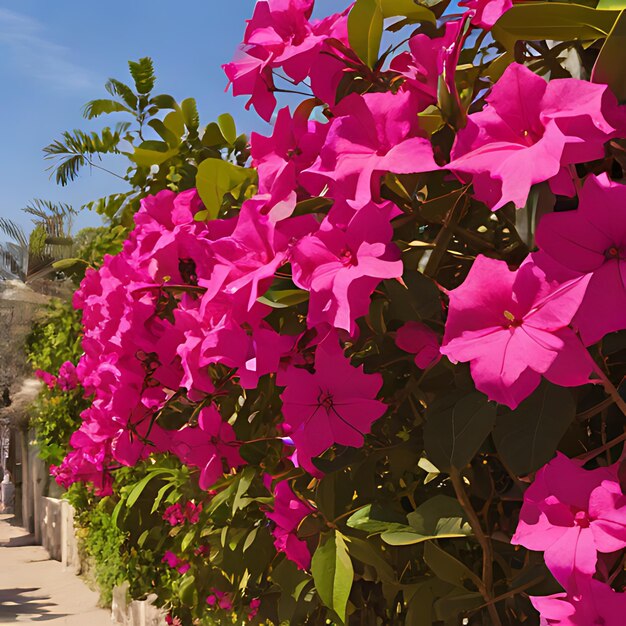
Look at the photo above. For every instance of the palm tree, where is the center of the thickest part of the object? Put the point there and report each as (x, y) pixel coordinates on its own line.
(32, 256)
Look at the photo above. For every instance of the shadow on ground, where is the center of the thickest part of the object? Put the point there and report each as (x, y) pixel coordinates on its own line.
(15, 603)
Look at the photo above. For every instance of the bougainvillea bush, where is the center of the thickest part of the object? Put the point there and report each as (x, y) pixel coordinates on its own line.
(372, 375)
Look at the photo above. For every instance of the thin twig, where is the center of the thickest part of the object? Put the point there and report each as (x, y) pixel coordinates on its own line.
(486, 586)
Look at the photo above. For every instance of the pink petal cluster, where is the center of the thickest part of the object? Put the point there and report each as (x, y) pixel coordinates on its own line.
(50, 380)
(485, 13)
(220, 599)
(532, 131)
(516, 330)
(341, 267)
(572, 514)
(369, 135)
(177, 514)
(336, 404)
(288, 512)
(174, 562)
(418, 339)
(281, 36)
(591, 241)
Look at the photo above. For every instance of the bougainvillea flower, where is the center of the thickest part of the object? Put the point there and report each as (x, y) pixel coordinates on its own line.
(220, 599)
(370, 135)
(335, 404)
(596, 604)
(486, 12)
(592, 240)
(430, 58)
(68, 378)
(416, 338)
(288, 512)
(292, 147)
(342, 267)
(513, 328)
(207, 447)
(280, 35)
(572, 514)
(531, 131)
(50, 380)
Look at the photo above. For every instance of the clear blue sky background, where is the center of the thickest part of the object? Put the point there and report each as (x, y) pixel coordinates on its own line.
(56, 56)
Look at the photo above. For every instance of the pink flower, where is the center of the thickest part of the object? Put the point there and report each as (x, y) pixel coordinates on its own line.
(221, 599)
(429, 59)
(279, 159)
(207, 447)
(174, 515)
(513, 328)
(342, 267)
(572, 514)
(173, 561)
(280, 35)
(591, 240)
(255, 605)
(598, 605)
(416, 338)
(531, 131)
(336, 404)
(49, 379)
(68, 379)
(371, 135)
(288, 513)
(487, 12)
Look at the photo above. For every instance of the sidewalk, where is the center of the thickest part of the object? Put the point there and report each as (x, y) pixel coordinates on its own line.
(35, 589)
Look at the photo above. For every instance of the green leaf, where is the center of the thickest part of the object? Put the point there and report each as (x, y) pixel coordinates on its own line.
(187, 540)
(142, 72)
(103, 106)
(367, 552)
(333, 573)
(187, 590)
(374, 520)
(537, 21)
(169, 136)
(609, 66)
(284, 298)
(441, 517)
(64, 264)
(365, 30)
(137, 490)
(527, 437)
(215, 178)
(227, 127)
(151, 153)
(406, 8)
(189, 109)
(446, 567)
(456, 427)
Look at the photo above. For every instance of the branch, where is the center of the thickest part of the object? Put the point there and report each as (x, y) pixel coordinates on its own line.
(486, 588)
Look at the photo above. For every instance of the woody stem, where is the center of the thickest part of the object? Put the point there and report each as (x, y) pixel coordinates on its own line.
(486, 588)
(610, 388)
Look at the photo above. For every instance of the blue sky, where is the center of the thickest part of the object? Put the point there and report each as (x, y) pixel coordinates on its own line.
(56, 56)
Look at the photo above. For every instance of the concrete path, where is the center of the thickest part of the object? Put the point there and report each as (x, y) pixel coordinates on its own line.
(35, 589)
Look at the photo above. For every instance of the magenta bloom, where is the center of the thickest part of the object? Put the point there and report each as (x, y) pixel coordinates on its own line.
(280, 35)
(288, 513)
(487, 12)
(513, 328)
(591, 240)
(599, 605)
(531, 131)
(416, 338)
(336, 404)
(67, 379)
(371, 135)
(279, 159)
(572, 514)
(342, 267)
(50, 380)
(207, 447)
